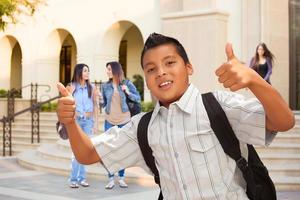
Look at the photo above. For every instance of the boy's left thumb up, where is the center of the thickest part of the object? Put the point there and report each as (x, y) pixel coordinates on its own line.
(229, 52)
(64, 91)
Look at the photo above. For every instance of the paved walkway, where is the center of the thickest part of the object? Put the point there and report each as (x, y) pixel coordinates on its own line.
(18, 183)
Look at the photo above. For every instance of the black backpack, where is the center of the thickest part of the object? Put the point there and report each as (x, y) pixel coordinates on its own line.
(134, 106)
(259, 183)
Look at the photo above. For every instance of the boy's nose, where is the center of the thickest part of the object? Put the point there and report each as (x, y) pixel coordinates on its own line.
(161, 72)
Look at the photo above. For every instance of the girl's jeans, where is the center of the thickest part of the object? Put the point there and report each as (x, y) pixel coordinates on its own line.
(78, 172)
(107, 126)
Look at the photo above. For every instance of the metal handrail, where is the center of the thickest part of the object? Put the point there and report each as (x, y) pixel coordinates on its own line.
(34, 108)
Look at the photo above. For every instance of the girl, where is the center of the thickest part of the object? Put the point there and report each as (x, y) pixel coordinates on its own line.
(262, 61)
(85, 96)
(113, 98)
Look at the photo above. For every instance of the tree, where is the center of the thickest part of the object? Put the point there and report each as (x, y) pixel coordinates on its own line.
(11, 9)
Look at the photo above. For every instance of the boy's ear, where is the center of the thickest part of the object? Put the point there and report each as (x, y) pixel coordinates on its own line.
(190, 69)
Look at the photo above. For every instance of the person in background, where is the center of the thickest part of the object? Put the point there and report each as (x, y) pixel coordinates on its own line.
(85, 96)
(262, 62)
(113, 99)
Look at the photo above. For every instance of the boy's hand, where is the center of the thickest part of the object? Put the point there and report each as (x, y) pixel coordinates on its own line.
(66, 105)
(234, 74)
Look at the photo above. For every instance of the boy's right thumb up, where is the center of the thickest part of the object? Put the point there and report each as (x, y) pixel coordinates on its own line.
(63, 90)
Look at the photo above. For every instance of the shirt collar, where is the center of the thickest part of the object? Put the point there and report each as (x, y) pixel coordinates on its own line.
(78, 86)
(185, 103)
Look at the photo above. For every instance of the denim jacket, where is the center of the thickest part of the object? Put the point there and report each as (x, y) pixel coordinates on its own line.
(108, 90)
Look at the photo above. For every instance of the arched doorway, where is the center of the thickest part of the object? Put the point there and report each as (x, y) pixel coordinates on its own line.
(10, 63)
(16, 67)
(122, 42)
(56, 59)
(67, 60)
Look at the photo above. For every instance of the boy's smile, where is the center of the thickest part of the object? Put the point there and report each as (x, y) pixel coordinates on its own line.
(166, 73)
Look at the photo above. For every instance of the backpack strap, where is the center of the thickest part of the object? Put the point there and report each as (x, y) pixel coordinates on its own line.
(142, 136)
(223, 130)
(230, 144)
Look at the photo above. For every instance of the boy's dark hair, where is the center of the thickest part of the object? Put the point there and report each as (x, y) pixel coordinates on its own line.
(156, 39)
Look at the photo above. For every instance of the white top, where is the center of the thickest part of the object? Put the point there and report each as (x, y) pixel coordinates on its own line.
(190, 160)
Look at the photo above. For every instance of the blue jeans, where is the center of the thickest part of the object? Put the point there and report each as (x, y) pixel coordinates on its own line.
(78, 172)
(107, 126)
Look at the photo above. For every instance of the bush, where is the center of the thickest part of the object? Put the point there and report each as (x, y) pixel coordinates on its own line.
(147, 106)
(49, 107)
(3, 93)
(138, 81)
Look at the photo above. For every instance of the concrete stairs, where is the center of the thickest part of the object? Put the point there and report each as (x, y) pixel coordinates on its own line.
(21, 132)
(56, 158)
(282, 158)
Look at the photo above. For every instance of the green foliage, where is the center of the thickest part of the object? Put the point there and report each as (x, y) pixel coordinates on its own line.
(3, 93)
(147, 106)
(49, 107)
(138, 81)
(10, 9)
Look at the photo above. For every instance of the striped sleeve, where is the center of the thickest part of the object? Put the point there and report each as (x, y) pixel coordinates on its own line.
(247, 118)
(118, 147)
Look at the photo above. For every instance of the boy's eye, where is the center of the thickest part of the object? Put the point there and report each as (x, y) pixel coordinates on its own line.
(151, 69)
(170, 62)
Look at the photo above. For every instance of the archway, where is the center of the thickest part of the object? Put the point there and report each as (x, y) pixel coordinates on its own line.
(56, 59)
(10, 63)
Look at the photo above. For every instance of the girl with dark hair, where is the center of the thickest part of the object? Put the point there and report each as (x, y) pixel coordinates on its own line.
(262, 62)
(85, 95)
(113, 98)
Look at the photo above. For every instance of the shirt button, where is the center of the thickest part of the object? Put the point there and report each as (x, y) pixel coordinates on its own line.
(184, 186)
(176, 155)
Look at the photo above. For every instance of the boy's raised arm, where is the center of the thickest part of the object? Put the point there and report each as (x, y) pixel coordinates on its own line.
(235, 75)
(81, 144)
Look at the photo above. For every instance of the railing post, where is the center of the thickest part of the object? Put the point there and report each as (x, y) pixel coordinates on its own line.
(98, 85)
(10, 104)
(6, 135)
(35, 114)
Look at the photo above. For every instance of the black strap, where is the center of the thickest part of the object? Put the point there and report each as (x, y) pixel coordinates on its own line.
(223, 130)
(142, 136)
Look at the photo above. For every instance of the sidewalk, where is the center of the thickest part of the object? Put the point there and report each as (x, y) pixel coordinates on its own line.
(18, 183)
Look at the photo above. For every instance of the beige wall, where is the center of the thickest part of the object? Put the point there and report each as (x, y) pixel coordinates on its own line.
(20, 104)
(275, 32)
(204, 35)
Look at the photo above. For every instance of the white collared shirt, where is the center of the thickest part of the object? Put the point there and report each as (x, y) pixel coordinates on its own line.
(190, 160)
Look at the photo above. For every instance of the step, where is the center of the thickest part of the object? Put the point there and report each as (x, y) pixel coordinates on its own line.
(31, 159)
(25, 125)
(53, 152)
(297, 116)
(43, 132)
(26, 137)
(286, 169)
(287, 138)
(280, 148)
(286, 183)
(18, 147)
(295, 129)
(279, 158)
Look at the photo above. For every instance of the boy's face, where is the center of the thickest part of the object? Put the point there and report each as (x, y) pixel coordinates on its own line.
(167, 76)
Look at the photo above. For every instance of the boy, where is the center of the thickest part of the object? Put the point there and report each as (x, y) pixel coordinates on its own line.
(188, 156)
